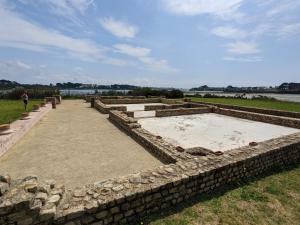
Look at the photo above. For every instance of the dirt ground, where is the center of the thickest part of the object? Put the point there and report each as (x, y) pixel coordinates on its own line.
(75, 145)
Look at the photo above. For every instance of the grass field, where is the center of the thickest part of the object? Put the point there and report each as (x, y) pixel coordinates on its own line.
(269, 104)
(272, 200)
(11, 110)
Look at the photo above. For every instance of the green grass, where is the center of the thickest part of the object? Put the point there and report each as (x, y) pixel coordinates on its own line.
(269, 104)
(273, 199)
(11, 110)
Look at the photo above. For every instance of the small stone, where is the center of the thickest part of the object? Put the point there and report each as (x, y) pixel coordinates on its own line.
(54, 199)
(135, 179)
(31, 187)
(79, 193)
(5, 178)
(126, 185)
(3, 188)
(105, 191)
(25, 221)
(151, 179)
(91, 206)
(253, 143)
(42, 196)
(101, 214)
(169, 170)
(118, 188)
(155, 174)
(30, 178)
(37, 204)
(43, 188)
(51, 183)
(95, 195)
(47, 213)
(66, 206)
(114, 210)
(108, 185)
(57, 191)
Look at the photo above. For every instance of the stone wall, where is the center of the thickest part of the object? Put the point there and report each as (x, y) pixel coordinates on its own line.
(171, 101)
(256, 110)
(277, 120)
(127, 200)
(164, 151)
(105, 109)
(171, 106)
(131, 100)
(182, 111)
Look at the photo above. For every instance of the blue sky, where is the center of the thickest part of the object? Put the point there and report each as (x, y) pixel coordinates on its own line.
(178, 43)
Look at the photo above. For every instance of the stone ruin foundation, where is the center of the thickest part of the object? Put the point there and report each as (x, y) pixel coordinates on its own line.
(186, 173)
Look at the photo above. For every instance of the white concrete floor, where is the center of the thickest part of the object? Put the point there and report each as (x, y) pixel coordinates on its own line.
(212, 131)
(136, 107)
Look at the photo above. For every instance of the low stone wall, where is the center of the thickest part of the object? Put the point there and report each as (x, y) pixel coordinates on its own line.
(256, 110)
(122, 97)
(88, 97)
(131, 100)
(105, 109)
(171, 101)
(161, 149)
(182, 111)
(127, 200)
(277, 120)
(171, 106)
(58, 98)
(52, 100)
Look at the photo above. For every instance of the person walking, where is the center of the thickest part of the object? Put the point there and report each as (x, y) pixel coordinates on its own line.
(25, 100)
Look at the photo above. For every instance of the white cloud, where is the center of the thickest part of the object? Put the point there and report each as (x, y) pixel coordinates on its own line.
(230, 32)
(288, 30)
(119, 28)
(198, 7)
(18, 33)
(243, 48)
(243, 59)
(23, 65)
(143, 55)
(63, 7)
(117, 62)
(132, 51)
(283, 7)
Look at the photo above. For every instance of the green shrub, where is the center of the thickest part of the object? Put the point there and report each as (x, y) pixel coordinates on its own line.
(33, 93)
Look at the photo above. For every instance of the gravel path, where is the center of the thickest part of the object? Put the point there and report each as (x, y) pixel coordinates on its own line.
(75, 145)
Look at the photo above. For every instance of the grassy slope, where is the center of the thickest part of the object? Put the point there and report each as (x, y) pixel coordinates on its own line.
(270, 104)
(10, 110)
(273, 199)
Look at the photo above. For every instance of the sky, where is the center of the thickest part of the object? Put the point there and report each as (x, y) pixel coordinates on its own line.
(162, 43)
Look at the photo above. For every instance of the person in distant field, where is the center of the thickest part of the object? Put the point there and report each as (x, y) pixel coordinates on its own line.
(25, 100)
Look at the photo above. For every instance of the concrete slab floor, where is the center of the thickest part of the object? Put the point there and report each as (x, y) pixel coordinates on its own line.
(75, 145)
(212, 131)
(136, 107)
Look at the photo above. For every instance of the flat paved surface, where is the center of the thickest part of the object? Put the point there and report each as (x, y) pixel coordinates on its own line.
(212, 131)
(75, 145)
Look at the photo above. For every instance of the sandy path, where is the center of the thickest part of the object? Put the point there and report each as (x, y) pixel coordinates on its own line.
(75, 145)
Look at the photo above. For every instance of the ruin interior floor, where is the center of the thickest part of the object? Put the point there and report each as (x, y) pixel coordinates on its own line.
(136, 107)
(76, 145)
(212, 131)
